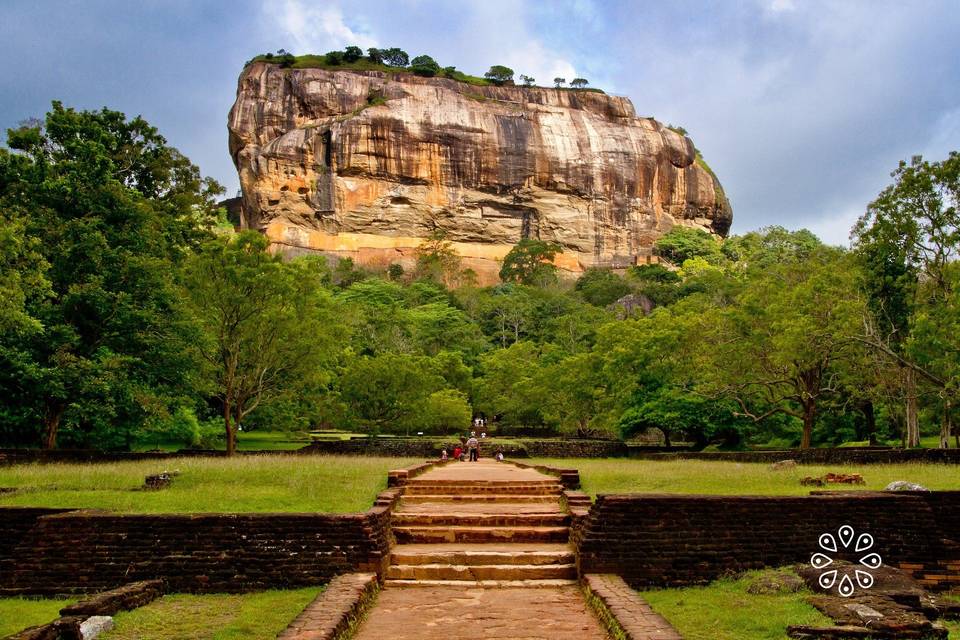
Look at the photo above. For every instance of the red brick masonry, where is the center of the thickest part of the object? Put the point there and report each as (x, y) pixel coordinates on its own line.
(613, 598)
(332, 614)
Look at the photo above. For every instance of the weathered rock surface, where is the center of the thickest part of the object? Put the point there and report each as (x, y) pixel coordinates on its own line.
(367, 164)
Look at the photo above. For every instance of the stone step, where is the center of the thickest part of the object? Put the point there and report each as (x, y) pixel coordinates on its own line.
(432, 534)
(482, 572)
(466, 519)
(482, 554)
(480, 498)
(477, 482)
(486, 584)
(454, 489)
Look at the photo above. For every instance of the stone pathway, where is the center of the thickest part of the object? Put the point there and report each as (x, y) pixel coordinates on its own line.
(454, 613)
(483, 552)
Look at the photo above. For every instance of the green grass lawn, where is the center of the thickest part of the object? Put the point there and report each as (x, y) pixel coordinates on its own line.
(268, 483)
(17, 614)
(617, 475)
(724, 610)
(250, 616)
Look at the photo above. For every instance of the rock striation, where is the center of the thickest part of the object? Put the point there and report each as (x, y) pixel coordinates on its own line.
(367, 164)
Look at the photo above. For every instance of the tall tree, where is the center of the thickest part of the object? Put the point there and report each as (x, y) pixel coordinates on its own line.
(775, 349)
(104, 208)
(909, 239)
(267, 324)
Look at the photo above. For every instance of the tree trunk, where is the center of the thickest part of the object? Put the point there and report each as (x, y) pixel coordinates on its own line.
(870, 418)
(912, 426)
(666, 437)
(231, 445)
(809, 417)
(51, 424)
(946, 426)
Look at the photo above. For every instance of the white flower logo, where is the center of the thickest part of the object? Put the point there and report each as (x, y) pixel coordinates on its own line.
(845, 536)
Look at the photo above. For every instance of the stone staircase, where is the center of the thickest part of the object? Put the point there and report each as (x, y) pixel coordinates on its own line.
(481, 524)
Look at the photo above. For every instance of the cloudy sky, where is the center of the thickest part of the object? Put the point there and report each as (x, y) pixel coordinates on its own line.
(801, 107)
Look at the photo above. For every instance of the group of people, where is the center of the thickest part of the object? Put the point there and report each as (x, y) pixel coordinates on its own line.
(469, 448)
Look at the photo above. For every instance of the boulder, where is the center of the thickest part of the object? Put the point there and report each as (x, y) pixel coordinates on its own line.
(903, 485)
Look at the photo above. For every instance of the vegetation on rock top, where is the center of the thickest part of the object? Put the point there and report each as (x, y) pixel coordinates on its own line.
(394, 60)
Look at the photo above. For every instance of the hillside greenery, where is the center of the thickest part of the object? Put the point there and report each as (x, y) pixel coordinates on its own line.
(129, 314)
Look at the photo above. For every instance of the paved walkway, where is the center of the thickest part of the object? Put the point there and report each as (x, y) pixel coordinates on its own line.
(484, 552)
(455, 613)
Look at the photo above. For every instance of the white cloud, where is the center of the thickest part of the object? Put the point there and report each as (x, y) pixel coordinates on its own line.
(781, 6)
(490, 39)
(314, 29)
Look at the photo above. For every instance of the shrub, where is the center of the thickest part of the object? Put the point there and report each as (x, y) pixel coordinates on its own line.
(395, 271)
(334, 57)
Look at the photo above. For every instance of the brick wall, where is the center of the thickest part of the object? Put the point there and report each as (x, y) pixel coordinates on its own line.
(80, 551)
(17, 522)
(664, 540)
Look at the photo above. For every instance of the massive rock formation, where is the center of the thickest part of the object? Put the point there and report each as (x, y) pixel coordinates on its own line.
(368, 164)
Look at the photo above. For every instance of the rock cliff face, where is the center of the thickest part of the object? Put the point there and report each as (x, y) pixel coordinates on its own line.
(367, 165)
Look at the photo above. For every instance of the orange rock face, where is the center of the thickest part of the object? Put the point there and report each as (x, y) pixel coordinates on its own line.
(367, 164)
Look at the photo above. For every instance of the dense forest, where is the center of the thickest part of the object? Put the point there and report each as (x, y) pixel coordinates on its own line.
(129, 307)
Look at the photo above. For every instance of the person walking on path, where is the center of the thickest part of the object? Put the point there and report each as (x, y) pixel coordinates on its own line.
(473, 446)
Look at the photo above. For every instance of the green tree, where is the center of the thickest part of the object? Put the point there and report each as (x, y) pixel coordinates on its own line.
(388, 392)
(437, 260)
(352, 54)
(777, 347)
(424, 66)
(530, 262)
(527, 80)
(395, 57)
(908, 239)
(267, 325)
(510, 387)
(559, 82)
(499, 74)
(375, 55)
(601, 287)
(579, 83)
(446, 411)
(334, 57)
(683, 243)
(100, 210)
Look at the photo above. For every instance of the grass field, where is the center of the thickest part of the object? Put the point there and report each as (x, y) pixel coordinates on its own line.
(268, 483)
(252, 441)
(730, 478)
(251, 616)
(724, 610)
(17, 614)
